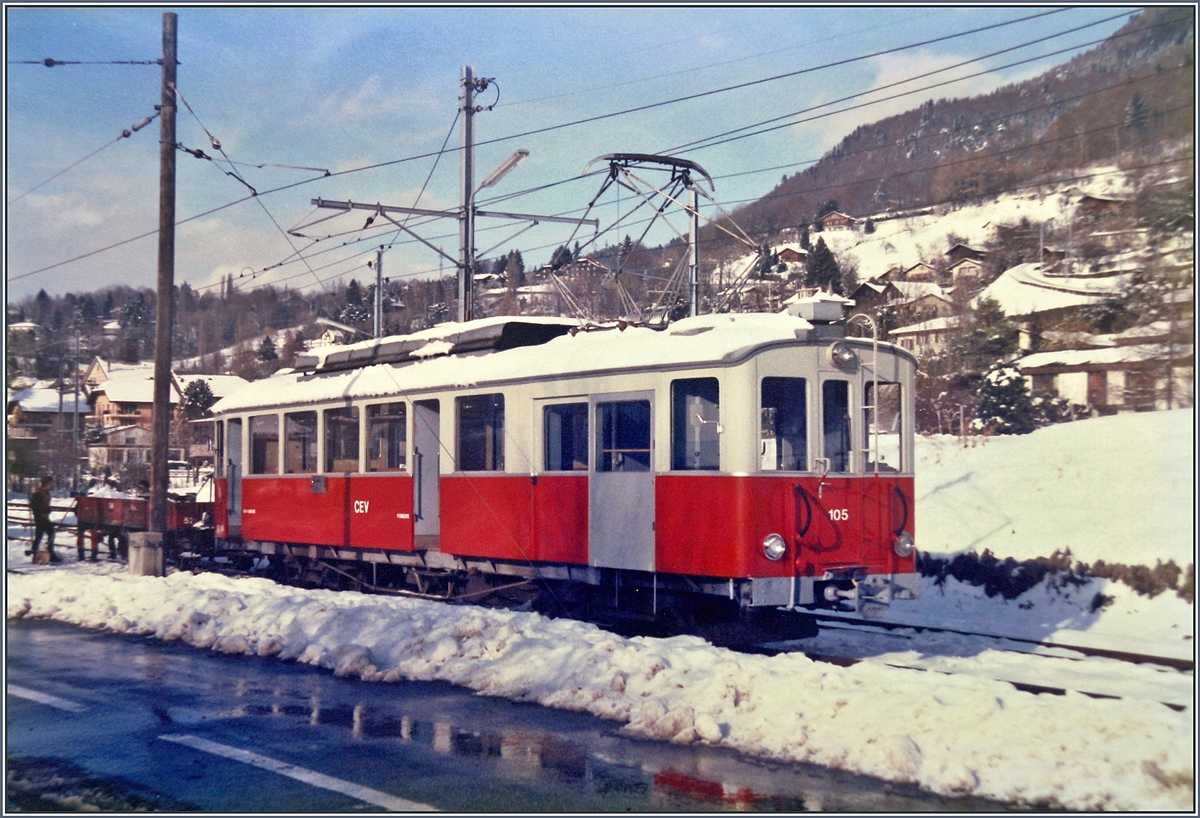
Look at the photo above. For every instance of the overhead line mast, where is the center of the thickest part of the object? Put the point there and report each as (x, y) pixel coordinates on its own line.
(467, 212)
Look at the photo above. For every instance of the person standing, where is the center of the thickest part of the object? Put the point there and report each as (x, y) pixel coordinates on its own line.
(39, 504)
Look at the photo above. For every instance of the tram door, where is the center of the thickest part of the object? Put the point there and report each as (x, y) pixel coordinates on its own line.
(233, 445)
(621, 482)
(426, 472)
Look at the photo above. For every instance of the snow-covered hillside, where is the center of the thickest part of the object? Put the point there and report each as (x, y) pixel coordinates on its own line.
(1113, 488)
(903, 242)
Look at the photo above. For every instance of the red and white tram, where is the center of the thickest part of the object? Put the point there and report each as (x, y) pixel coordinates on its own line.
(763, 459)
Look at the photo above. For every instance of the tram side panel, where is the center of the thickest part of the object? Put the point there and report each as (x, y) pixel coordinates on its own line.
(515, 517)
(330, 510)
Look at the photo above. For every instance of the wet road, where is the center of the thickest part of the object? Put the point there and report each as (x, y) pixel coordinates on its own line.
(235, 733)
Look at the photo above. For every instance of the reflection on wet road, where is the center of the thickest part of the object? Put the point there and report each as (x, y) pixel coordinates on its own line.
(421, 743)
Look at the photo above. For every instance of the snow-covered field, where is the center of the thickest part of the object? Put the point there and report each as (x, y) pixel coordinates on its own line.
(1117, 488)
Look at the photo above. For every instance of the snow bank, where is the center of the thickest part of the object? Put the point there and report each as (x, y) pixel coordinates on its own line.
(950, 734)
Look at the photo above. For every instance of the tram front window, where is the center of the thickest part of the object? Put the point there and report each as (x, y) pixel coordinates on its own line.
(783, 444)
(695, 424)
(881, 427)
(835, 407)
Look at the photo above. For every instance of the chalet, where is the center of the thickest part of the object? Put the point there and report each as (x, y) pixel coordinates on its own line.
(965, 269)
(836, 221)
(922, 301)
(926, 338)
(1094, 207)
(918, 272)
(126, 400)
(962, 251)
(37, 408)
(1127, 377)
(792, 254)
(872, 295)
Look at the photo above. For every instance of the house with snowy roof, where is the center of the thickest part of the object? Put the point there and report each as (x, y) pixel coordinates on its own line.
(836, 221)
(1030, 291)
(927, 338)
(962, 251)
(1143, 369)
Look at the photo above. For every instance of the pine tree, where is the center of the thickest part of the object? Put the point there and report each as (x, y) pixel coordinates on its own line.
(266, 350)
(198, 398)
(1005, 407)
(823, 269)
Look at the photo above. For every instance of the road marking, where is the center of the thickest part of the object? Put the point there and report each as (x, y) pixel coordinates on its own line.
(45, 698)
(379, 799)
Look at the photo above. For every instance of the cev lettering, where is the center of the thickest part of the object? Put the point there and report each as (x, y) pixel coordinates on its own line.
(360, 506)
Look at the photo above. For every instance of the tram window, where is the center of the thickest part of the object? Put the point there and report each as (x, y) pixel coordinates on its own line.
(566, 427)
(624, 440)
(264, 444)
(695, 424)
(481, 433)
(300, 454)
(341, 439)
(784, 438)
(885, 436)
(836, 424)
(387, 436)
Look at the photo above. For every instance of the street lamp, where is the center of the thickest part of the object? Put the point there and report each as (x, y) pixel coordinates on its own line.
(507, 165)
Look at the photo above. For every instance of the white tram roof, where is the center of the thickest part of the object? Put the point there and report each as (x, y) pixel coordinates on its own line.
(692, 341)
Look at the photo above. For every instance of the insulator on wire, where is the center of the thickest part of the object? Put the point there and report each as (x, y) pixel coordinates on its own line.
(138, 126)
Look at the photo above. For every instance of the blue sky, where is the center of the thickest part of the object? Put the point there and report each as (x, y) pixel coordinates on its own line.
(347, 89)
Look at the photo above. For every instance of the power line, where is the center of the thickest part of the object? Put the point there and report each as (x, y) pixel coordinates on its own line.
(700, 144)
(125, 134)
(561, 126)
(50, 62)
(807, 44)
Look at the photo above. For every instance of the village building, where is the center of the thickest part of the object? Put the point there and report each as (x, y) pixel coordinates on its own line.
(836, 221)
(964, 271)
(1028, 292)
(927, 338)
(918, 272)
(922, 301)
(960, 252)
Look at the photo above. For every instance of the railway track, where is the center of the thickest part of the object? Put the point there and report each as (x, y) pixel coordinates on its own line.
(1165, 679)
(1174, 663)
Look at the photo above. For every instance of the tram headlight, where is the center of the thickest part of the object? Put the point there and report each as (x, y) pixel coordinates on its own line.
(843, 357)
(774, 547)
(904, 546)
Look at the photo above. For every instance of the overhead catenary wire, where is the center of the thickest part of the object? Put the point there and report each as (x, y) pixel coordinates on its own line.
(699, 144)
(125, 134)
(552, 128)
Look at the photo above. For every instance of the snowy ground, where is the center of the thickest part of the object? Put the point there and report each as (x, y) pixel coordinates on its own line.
(951, 726)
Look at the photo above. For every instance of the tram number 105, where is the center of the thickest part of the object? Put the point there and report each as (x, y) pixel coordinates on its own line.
(839, 515)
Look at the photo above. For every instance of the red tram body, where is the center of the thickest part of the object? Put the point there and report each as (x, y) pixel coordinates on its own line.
(764, 459)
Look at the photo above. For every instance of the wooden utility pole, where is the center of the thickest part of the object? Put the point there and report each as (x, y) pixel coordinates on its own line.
(165, 316)
(466, 223)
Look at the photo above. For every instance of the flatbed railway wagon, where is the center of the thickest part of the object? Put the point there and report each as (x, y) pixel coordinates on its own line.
(744, 461)
(116, 517)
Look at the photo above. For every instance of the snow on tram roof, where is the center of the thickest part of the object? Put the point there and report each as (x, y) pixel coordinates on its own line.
(703, 339)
